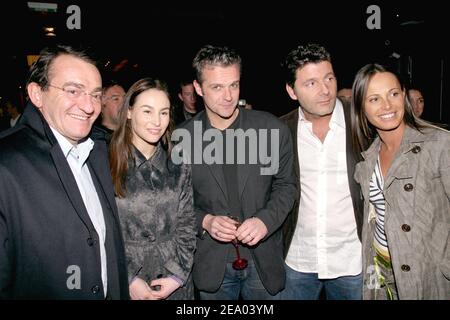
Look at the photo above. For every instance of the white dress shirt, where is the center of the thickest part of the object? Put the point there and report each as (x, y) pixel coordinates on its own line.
(12, 122)
(325, 240)
(76, 157)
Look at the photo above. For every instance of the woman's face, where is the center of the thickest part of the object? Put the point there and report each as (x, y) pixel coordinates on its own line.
(149, 117)
(384, 102)
(417, 102)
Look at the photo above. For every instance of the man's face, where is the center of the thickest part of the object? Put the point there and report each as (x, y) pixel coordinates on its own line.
(315, 88)
(345, 95)
(189, 97)
(220, 91)
(112, 100)
(71, 115)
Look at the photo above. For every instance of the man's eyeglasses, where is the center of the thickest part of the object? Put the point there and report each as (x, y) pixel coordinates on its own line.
(75, 93)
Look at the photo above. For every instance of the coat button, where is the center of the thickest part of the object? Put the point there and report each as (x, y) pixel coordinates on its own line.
(405, 267)
(408, 187)
(416, 149)
(90, 242)
(406, 227)
(95, 289)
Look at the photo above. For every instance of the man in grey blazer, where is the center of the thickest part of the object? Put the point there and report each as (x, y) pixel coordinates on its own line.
(242, 166)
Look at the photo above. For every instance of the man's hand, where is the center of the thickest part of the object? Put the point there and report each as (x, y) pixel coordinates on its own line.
(251, 231)
(221, 228)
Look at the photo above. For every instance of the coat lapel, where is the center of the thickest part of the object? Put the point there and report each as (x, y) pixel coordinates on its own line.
(70, 185)
(100, 169)
(216, 170)
(366, 168)
(399, 168)
(292, 123)
(243, 170)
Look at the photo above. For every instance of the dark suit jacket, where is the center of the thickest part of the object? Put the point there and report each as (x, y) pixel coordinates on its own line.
(268, 197)
(47, 240)
(291, 119)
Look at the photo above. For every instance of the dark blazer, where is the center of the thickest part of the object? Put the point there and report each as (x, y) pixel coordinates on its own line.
(291, 119)
(47, 240)
(268, 197)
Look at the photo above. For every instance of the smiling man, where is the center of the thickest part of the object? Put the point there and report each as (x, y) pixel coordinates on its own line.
(59, 231)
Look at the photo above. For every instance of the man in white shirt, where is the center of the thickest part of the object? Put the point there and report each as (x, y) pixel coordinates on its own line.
(59, 226)
(322, 234)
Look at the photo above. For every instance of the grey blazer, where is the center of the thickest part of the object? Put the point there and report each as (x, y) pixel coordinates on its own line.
(417, 218)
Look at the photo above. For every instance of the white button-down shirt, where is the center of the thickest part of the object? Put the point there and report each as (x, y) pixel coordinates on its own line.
(76, 157)
(325, 240)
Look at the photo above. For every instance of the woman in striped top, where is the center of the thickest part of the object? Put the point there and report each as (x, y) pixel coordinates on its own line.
(405, 183)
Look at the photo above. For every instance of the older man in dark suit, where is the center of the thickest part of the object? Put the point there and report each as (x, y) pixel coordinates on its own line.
(59, 230)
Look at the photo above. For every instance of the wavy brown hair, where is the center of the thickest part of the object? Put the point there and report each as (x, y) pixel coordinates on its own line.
(121, 146)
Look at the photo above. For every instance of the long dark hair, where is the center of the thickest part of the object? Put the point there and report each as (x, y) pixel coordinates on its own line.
(363, 132)
(120, 148)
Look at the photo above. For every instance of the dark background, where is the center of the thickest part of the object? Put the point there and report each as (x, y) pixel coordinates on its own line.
(159, 39)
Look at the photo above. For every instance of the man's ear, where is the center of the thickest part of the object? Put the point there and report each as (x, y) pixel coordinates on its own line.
(291, 92)
(35, 94)
(180, 96)
(198, 88)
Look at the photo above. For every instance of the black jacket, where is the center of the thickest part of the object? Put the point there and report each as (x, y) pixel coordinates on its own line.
(47, 240)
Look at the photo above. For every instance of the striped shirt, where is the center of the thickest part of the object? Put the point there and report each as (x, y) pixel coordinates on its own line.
(376, 197)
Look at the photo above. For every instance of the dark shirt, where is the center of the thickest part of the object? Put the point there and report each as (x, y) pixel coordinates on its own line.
(231, 182)
(100, 132)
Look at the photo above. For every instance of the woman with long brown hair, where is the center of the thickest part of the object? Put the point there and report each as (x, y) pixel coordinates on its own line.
(405, 183)
(154, 196)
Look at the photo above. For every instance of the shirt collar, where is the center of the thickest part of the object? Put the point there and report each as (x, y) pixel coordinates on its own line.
(157, 160)
(82, 149)
(338, 114)
(337, 117)
(236, 123)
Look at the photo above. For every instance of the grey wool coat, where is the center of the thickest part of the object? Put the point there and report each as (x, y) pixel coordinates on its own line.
(417, 217)
(158, 221)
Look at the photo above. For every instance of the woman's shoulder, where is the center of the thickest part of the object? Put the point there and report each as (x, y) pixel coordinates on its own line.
(436, 138)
